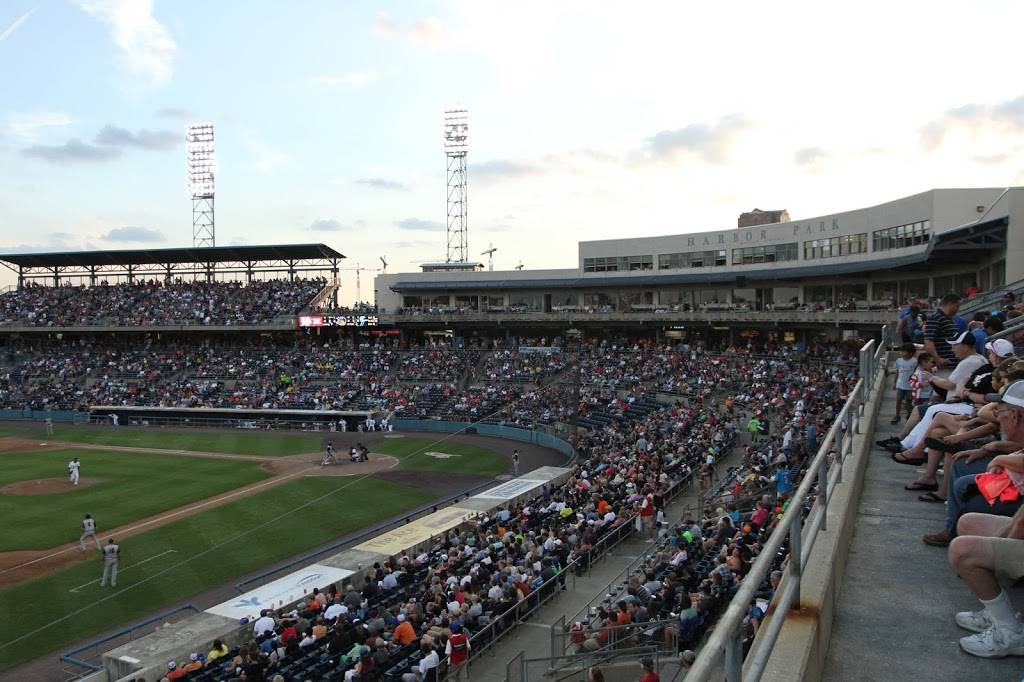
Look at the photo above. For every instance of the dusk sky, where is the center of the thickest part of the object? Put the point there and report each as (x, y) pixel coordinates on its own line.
(587, 120)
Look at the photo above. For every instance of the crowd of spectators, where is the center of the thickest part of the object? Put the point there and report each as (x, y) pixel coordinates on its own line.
(965, 414)
(155, 303)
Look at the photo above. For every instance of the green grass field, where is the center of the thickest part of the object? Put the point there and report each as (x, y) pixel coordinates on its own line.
(38, 604)
(239, 442)
(468, 459)
(13, 429)
(130, 486)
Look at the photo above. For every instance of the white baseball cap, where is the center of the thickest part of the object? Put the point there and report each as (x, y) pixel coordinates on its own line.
(1000, 347)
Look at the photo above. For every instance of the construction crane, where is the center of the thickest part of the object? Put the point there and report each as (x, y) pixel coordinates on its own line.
(359, 269)
(490, 256)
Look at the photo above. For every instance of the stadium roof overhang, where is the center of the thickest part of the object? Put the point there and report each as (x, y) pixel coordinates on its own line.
(947, 247)
(207, 262)
(212, 254)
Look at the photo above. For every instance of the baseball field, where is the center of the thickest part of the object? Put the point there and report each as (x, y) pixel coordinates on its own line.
(191, 511)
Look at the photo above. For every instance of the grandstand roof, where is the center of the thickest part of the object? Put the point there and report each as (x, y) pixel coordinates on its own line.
(209, 254)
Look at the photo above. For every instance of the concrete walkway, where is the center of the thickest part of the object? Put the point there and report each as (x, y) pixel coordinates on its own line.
(894, 617)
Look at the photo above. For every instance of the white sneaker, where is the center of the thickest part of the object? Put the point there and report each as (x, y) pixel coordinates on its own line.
(996, 642)
(975, 621)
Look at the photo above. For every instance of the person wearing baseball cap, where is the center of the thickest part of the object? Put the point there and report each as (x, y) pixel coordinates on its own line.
(1001, 348)
(988, 544)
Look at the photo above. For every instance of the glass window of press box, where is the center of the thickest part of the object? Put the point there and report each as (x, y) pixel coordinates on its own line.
(765, 254)
(833, 247)
(618, 263)
(693, 259)
(911, 234)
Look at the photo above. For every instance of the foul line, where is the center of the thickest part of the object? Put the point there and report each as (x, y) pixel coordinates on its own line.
(122, 570)
(252, 530)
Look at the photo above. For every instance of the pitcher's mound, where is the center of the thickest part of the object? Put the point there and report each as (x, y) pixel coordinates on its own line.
(46, 486)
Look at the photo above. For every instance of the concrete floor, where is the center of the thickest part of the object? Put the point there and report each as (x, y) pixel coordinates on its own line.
(894, 619)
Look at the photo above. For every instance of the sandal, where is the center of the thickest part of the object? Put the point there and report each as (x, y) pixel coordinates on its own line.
(930, 497)
(915, 486)
(910, 462)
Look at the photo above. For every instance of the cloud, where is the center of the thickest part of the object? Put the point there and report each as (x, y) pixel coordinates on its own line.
(140, 235)
(1006, 116)
(382, 183)
(808, 156)
(428, 32)
(344, 80)
(176, 113)
(17, 24)
(326, 225)
(992, 159)
(488, 172)
(710, 143)
(412, 244)
(25, 125)
(147, 49)
(113, 136)
(419, 224)
(72, 151)
(386, 25)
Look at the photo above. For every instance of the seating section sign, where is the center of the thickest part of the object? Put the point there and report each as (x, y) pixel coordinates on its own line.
(337, 321)
(281, 592)
(415, 532)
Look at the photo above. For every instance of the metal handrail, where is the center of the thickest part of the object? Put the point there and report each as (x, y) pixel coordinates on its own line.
(725, 645)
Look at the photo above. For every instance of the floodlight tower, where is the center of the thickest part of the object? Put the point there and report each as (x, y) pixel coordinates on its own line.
(456, 145)
(490, 255)
(201, 169)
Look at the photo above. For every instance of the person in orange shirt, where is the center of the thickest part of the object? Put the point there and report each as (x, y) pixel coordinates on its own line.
(403, 634)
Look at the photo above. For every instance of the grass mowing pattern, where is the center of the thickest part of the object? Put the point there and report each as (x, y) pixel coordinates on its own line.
(37, 603)
(470, 460)
(131, 486)
(236, 442)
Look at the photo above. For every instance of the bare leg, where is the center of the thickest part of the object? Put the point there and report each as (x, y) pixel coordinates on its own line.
(971, 558)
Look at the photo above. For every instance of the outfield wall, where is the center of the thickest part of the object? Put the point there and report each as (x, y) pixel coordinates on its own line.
(146, 658)
(495, 430)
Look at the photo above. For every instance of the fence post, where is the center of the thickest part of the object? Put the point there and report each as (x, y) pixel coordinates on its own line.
(823, 489)
(796, 568)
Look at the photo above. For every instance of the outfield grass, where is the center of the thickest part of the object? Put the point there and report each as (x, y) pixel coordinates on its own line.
(237, 441)
(130, 486)
(13, 430)
(39, 603)
(469, 459)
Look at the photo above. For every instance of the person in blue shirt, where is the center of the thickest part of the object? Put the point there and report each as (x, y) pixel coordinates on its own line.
(977, 327)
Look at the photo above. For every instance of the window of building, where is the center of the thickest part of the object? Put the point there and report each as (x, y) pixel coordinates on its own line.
(618, 263)
(901, 236)
(527, 302)
(818, 294)
(765, 254)
(914, 289)
(599, 301)
(412, 302)
(847, 245)
(712, 296)
(692, 259)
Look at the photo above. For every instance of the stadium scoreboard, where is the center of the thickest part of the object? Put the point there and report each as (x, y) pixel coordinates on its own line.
(307, 321)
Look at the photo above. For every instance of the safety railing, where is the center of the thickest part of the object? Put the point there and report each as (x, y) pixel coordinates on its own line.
(575, 668)
(824, 473)
(508, 621)
(79, 662)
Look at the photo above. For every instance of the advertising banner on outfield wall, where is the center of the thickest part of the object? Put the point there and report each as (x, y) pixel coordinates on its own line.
(280, 592)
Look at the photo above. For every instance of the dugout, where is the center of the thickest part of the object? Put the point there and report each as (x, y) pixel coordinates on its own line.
(227, 417)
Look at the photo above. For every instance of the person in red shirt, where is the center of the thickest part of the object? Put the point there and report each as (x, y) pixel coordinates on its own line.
(457, 651)
(650, 675)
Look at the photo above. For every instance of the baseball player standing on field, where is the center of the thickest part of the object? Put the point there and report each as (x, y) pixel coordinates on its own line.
(49, 426)
(110, 557)
(329, 455)
(89, 529)
(73, 467)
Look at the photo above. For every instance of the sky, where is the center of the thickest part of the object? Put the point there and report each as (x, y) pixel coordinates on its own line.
(587, 120)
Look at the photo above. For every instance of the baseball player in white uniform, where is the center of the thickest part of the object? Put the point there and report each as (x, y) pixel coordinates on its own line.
(89, 529)
(73, 470)
(49, 426)
(329, 455)
(110, 557)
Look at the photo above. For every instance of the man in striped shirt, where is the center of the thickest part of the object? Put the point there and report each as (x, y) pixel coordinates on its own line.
(939, 328)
